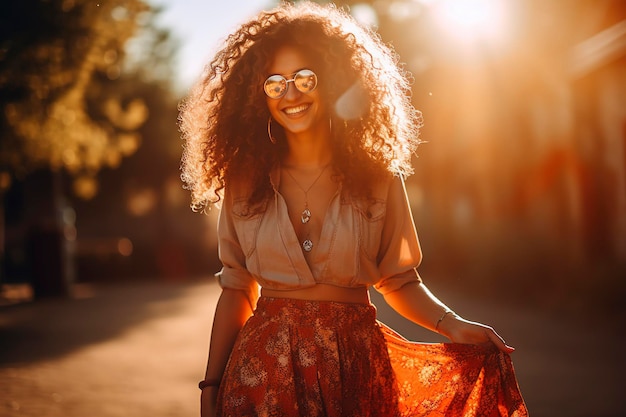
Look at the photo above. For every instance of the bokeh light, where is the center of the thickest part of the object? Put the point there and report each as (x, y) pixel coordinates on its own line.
(472, 20)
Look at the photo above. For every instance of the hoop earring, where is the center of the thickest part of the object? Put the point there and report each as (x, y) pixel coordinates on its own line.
(269, 131)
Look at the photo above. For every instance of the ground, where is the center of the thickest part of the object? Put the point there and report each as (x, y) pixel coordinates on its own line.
(139, 349)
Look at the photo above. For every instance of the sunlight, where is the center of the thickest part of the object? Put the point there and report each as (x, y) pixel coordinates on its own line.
(471, 20)
(364, 14)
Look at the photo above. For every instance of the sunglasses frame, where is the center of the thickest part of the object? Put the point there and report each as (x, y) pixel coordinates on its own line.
(292, 80)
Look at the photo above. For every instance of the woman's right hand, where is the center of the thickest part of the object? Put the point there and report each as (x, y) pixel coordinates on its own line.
(208, 402)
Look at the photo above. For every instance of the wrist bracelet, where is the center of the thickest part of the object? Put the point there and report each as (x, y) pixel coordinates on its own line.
(209, 383)
(443, 316)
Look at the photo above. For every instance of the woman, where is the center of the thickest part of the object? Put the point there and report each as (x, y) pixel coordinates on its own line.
(302, 130)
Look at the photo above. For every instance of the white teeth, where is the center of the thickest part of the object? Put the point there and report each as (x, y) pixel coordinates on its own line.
(297, 109)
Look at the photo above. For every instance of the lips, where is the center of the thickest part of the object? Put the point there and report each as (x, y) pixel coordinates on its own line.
(296, 110)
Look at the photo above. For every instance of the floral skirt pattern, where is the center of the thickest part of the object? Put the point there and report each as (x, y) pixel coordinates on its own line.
(320, 358)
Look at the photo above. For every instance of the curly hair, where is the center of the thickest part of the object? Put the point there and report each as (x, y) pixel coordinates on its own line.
(223, 120)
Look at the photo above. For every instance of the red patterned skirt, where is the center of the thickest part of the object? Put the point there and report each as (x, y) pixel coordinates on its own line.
(310, 358)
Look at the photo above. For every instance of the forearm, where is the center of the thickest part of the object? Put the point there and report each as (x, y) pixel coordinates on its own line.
(415, 302)
(232, 311)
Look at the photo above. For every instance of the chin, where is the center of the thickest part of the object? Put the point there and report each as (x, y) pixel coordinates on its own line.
(298, 127)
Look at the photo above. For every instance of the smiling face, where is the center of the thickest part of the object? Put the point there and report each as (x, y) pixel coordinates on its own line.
(297, 112)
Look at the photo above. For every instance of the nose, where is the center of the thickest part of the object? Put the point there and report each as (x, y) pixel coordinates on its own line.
(292, 92)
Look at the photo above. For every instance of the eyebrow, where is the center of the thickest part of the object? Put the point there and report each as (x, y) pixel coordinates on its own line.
(290, 74)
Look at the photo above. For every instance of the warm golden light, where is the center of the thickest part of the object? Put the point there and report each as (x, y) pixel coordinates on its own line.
(86, 187)
(125, 247)
(470, 20)
(5, 181)
(141, 202)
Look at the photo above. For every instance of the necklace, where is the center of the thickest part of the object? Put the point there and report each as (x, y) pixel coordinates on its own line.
(305, 216)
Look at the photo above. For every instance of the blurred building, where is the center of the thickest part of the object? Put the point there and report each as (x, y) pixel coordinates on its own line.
(521, 185)
(598, 83)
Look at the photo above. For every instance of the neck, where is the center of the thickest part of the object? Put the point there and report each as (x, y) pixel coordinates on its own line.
(308, 150)
(307, 157)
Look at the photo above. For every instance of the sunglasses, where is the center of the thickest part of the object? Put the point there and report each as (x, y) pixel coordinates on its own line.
(305, 81)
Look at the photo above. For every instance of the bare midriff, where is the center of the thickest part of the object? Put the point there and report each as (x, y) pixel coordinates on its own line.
(322, 292)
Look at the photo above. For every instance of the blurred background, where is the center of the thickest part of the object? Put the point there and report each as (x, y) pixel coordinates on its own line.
(519, 193)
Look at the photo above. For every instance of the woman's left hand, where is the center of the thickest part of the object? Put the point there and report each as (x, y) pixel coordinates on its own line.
(459, 330)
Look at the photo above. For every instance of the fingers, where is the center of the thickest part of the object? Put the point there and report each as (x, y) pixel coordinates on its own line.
(497, 340)
(477, 333)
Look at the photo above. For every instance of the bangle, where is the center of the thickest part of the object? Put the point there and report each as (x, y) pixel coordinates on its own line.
(443, 316)
(209, 383)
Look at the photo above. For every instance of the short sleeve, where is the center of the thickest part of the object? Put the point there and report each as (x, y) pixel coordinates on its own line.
(233, 274)
(400, 253)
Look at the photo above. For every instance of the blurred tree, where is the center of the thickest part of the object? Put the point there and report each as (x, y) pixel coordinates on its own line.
(50, 51)
(142, 202)
(61, 112)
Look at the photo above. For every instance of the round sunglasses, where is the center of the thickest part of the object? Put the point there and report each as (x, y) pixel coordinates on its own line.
(276, 86)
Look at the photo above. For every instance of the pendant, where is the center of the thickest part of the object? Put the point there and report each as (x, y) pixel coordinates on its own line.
(306, 216)
(307, 245)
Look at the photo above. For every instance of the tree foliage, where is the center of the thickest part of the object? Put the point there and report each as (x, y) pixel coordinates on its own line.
(58, 60)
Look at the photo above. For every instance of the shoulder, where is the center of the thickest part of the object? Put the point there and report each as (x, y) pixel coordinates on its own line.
(381, 188)
(387, 185)
(237, 188)
(237, 197)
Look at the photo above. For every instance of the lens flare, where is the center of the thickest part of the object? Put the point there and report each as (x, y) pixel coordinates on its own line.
(471, 19)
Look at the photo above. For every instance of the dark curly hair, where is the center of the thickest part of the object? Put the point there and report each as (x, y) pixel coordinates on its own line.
(224, 118)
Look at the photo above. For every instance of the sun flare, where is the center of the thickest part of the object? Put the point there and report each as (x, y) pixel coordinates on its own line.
(469, 20)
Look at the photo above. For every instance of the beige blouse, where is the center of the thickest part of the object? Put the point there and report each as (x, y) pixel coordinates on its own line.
(363, 242)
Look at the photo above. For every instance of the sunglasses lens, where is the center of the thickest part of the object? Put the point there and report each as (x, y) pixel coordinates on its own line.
(305, 81)
(275, 86)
